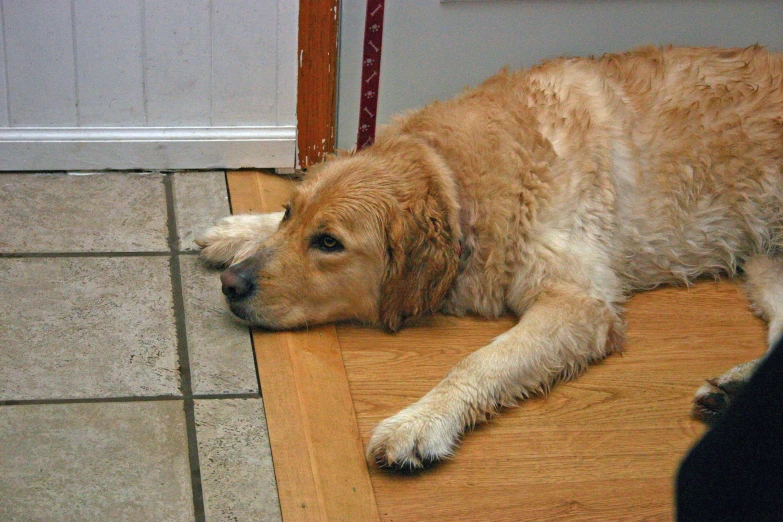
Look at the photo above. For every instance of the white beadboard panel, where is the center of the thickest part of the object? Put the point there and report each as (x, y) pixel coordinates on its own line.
(109, 66)
(177, 57)
(4, 121)
(40, 62)
(287, 60)
(213, 82)
(100, 148)
(244, 62)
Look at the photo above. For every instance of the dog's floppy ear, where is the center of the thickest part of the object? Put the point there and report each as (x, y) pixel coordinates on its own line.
(422, 264)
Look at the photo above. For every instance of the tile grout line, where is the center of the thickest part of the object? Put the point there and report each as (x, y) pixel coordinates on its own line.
(88, 400)
(184, 357)
(129, 398)
(144, 253)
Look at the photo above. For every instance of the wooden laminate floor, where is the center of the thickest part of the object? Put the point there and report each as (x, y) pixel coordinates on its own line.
(603, 447)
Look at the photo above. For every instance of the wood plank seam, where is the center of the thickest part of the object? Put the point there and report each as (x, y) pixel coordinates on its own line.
(308, 429)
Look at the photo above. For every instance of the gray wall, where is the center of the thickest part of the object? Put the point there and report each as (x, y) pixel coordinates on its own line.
(433, 50)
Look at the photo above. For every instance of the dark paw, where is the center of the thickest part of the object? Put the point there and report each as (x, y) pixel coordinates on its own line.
(713, 399)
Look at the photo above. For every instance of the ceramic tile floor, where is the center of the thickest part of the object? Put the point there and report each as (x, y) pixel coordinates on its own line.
(127, 392)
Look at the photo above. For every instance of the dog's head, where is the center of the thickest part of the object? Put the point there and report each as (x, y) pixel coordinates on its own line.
(371, 236)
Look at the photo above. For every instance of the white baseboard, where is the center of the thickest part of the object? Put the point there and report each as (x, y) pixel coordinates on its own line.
(154, 148)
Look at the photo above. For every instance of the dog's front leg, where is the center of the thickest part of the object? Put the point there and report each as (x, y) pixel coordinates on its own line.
(554, 340)
(235, 238)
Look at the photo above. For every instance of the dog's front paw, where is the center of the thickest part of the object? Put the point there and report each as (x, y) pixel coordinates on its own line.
(220, 242)
(234, 238)
(413, 439)
(712, 399)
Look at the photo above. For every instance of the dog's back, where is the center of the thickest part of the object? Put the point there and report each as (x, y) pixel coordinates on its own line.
(691, 140)
(682, 147)
(707, 129)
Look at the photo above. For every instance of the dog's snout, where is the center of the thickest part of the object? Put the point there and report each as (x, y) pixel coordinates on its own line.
(238, 281)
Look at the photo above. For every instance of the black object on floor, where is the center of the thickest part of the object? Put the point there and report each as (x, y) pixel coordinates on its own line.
(736, 471)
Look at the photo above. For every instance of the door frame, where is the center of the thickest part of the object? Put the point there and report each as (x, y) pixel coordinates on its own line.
(317, 80)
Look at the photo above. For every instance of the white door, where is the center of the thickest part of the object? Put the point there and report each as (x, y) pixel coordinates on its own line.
(147, 84)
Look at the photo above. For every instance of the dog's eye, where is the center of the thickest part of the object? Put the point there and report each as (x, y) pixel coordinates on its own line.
(327, 243)
(287, 214)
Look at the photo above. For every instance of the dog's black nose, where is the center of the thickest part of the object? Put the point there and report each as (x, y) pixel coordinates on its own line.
(238, 281)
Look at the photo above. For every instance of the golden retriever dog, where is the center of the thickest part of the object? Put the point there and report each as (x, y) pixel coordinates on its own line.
(552, 193)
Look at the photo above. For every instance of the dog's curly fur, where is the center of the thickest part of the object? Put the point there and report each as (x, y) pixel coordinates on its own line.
(552, 193)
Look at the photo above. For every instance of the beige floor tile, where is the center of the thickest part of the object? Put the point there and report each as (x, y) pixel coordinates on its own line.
(236, 461)
(199, 199)
(115, 212)
(86, 327)
(95, 462)
(221, 352)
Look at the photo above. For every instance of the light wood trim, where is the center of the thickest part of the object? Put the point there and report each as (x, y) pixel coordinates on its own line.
(316, 448)
(257, 191)
(317, 81)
